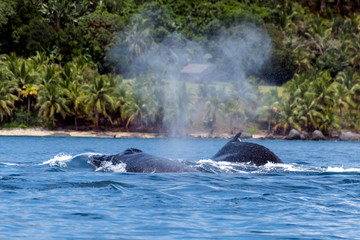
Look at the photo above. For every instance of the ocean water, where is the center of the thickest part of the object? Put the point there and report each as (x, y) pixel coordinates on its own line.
(49, 191)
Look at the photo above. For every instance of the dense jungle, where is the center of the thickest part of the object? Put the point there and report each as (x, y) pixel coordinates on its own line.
(119, 65)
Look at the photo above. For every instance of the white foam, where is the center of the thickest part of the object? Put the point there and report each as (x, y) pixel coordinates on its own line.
(341, 170)
(222, 166)
(231, 167)
(64, 159)
(293, 167)
(286, 167)
(10, 164)
(58, 160)
(108, 166)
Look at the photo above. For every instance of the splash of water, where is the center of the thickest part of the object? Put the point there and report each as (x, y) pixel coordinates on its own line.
(110, 167)
(248, 168)
(64, 160)
(59, 160)
(342, 170)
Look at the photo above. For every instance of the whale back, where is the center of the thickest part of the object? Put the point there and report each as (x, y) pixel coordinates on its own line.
(237, 151)
(139, 161)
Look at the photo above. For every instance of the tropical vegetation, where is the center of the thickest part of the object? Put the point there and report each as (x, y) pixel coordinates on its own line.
(108, 64)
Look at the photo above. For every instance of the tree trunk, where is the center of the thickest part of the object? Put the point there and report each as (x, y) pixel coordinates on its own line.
(340, 111)
(269, 125)
(213, 122)
(76, 125)
(53, 121)
(96, 120)
(322, 6)
(29, 105)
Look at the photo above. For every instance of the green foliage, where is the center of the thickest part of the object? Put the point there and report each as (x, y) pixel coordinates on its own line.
(58, 56)
(7, 99)
(99, 99)
(6, 11)
(251, 130)
(51, 101)
(97, 32)
(38, 35)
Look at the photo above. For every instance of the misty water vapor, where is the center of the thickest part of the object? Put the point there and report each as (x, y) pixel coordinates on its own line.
(235, 54)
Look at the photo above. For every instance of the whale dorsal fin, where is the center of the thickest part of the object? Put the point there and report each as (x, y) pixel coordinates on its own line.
(237, 137)
(132, 150)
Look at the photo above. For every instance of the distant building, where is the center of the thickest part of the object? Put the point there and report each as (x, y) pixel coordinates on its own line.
(197, 72)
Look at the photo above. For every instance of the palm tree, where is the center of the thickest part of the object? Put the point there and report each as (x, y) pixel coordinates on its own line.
(348, 78)
(343, 98)
(138, 37)
(308, 112)
(154, 107)
(234, 109)
(50, 74)
(29, 91)
(323, 89)
(303, 59)
(330, 121)
(353, 50)
(98, 99)
(133, 109)
(287, 116)
(212, 106)
(39, 61)
(270, 107)
(52, 101)
(298, 86)
(7, 98)
(20, 71)
(69, 73)
(141, 104)
(74, 94)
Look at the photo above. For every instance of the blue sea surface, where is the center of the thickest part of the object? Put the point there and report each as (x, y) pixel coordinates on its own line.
(49, 191)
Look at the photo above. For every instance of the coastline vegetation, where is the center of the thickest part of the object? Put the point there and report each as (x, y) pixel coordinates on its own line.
(71, 64)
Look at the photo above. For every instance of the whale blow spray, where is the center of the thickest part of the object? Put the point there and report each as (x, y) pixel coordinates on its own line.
(235, 54)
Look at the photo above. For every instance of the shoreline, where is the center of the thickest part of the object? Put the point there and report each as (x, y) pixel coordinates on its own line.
(41, 132)
(261, 135)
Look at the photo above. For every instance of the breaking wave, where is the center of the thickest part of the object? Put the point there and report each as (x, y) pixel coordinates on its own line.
(248, 168)
(64, 160)
(9, 164)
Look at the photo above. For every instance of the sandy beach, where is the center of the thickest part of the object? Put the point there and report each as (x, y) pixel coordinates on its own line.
(108, 134)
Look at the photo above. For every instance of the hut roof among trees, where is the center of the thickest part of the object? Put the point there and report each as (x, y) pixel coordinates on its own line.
(196, 72)
(195, 68)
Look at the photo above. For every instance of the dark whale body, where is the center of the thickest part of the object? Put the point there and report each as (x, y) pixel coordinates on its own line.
(237, 151)
(138, 161)
(234, 151)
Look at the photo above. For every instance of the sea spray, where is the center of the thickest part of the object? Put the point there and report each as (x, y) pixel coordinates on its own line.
(65, 160)
(107, 166)
(60, 160)
(235, 54)
(221, 167)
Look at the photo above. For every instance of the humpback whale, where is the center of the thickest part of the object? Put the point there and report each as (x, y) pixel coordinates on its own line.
(136, 160)
(237, 151)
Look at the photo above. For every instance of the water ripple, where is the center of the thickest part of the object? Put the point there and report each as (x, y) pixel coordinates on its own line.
(47, 195)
